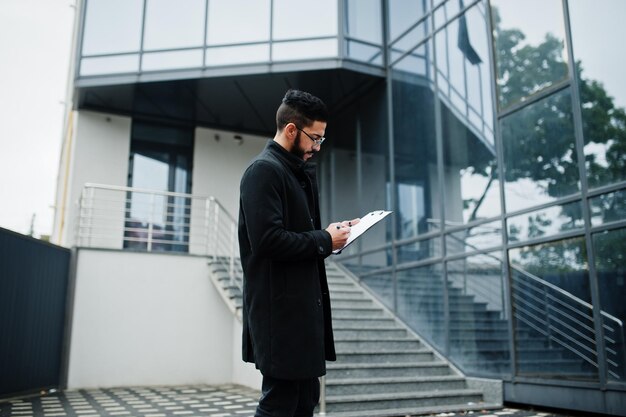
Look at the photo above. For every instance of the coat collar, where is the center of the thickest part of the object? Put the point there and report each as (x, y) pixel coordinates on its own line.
(296, 164)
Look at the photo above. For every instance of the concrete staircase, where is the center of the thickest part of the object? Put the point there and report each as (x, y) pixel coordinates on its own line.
(382, 368)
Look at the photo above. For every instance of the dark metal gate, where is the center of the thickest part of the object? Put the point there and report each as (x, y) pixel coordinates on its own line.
(33, 293)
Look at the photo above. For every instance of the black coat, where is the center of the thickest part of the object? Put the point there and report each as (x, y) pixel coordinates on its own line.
(287, 328)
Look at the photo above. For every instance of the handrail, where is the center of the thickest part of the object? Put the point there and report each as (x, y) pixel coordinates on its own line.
(164, 220)
(565, 293)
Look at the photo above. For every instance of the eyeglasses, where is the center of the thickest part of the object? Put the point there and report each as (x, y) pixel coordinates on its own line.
(316, 141)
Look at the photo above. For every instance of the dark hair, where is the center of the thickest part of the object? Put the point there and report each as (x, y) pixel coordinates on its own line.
(300, 108)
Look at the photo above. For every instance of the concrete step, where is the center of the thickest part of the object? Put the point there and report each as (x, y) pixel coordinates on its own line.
(363, 323)
(443, 410)
(389, 356)
(347, 295)
(398, 369)
(381, 345)
(366, 402)
(382, 385)
(358, 303)
(348, 314)
(360, 334)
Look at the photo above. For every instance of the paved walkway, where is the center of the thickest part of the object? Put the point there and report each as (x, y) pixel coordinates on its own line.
(180, 401)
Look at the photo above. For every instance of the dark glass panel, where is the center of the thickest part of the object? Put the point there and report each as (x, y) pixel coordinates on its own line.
(610, 259)
(479, 328)
(540, 162)
(421, 301)
(417, 193)
(553, 316)
(483, 236)
(374, 270)
(419, 251)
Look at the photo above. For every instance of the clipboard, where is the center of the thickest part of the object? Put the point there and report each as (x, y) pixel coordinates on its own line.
(366, 222)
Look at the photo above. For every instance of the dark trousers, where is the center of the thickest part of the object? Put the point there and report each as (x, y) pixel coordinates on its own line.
(284, 398)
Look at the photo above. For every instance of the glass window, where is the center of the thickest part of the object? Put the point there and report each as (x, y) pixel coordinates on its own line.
(365, 53)
(227, 24)
(230, 55)
(470, 171)
(112, 26)
(545, 222)
(170, 25)
(540, 162)
(374, 270)
(610, 259)
(287, 51)
(409, 40)
(418, 62)
(553, 316)
(417, 192)
(421, 301)
(483, 236)
(153, 61)
(479, 334)
(447, 11)
(160, 160)
(598, 32)
(607, 208)
(530, 51)
(418, 251)
(294, 19)
(405, 13)
(364, 20)
(109, 64)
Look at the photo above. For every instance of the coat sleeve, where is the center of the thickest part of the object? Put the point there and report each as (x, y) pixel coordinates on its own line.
(262, 204)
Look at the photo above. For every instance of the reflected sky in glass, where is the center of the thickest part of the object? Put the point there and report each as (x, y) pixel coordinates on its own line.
(227, 24)
(100, 37)
(168, 25)
(530, 51)
(598, 35)
(545, 222)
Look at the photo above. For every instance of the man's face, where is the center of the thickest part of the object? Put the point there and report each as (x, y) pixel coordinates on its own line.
(304, 146)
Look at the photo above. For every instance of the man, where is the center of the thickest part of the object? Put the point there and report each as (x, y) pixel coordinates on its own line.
(287, 330)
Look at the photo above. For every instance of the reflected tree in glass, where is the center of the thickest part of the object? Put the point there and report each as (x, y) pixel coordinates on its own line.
(539, 139)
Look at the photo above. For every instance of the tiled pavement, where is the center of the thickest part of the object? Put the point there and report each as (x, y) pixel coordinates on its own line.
(180, 401)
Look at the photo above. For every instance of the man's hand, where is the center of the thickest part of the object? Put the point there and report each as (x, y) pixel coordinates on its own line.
(340, 232)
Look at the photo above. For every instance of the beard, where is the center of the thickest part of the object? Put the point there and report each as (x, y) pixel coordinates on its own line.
(297, 149)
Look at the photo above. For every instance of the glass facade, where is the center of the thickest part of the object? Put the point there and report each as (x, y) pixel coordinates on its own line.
(507, 188)
(497, 135)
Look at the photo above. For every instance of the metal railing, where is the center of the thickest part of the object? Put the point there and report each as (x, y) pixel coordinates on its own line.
(567, 320)
(116, 217)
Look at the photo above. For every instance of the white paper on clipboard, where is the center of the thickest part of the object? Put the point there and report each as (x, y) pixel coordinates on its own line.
(367, 221)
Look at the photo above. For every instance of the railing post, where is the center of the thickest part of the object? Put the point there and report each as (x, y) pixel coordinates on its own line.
(150, 222)
(207, 213)
(547, 309)
(90, 206)
(216, 229)
(322, 396)
(232, 254)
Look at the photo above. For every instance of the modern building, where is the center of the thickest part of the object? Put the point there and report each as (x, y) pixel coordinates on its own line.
(495, 131)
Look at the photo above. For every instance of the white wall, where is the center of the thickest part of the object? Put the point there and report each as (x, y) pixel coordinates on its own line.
(98, 152)
(217, 169)
(148, 319)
